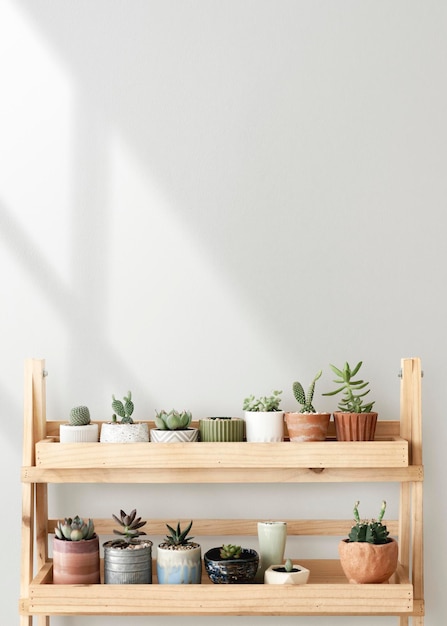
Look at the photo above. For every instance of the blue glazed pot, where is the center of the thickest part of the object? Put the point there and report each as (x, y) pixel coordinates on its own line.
(179, 567)
(228, 571)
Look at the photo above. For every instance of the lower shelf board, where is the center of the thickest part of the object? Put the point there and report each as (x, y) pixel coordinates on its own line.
(326, 593)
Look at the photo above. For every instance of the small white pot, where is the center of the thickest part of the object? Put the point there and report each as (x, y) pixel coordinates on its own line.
(272, 577)
(174, 436)
(264, 426)
(78, 434)
(182, 566)
(124, 433)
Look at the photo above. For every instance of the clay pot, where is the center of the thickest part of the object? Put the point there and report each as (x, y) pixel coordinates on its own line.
(368, 563)
(355, 426)
(307, 426)
(76, 562)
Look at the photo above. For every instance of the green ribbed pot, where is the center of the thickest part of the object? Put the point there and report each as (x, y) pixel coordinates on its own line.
(221, 429)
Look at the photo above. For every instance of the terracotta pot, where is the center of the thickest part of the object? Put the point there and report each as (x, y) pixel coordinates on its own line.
(368, 563)
(307, 426)
(76, 562)
(355, 426)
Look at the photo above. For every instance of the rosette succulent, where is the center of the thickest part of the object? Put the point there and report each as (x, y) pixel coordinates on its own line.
(74, 529)
(174, 420)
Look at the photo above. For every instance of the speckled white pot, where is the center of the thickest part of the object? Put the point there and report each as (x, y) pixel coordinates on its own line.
(124, 433)
(78, 434)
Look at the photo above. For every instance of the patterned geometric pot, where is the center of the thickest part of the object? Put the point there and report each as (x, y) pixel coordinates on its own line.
(174, 436)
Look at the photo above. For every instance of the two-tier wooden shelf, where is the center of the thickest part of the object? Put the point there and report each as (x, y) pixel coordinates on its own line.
(394, 456)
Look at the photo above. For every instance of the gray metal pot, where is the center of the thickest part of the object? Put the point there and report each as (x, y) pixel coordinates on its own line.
(130, 565)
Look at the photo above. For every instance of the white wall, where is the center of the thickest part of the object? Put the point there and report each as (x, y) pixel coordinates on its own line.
(205, 199)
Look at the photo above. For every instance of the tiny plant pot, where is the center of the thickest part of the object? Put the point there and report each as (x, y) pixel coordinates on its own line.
(303, 427)
(76, 562)
(174, 436)
(264, 426)
(364, 562)
(221, 429)
(355, 426)
(128, 563)
(278, 575)
(179, 565)
(115, 432)
(231, 571)
(86, 433)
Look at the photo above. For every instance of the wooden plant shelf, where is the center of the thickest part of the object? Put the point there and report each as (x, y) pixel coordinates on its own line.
(394, 456)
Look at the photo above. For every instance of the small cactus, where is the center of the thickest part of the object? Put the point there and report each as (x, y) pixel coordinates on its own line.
(79, 416)
(174, 420)
(369, 531)
(306, 399)
(74, 529)
(123, 409)
(228, 551)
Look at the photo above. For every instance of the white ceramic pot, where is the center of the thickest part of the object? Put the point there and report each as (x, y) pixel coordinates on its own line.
(174, 436)
(124, 433)
(264, 426)
(181, 566)
(78, 434)
(275, 575)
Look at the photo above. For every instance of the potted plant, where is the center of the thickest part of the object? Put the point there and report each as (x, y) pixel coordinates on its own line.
(264, 420)
(179, 559)
(80, 429)
(306, 424)
(231, 564)
(369, 555)
(173, 427)
(125, 430)
(287, 574)
(355, 420)
(221, 429)
(128, 560)
(75, 552)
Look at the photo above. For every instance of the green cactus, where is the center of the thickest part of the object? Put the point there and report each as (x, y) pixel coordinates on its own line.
(79, 416)
(178, 537)
(370, 531)
(229, 551)
(174, 420)
(74, 529)
(351, 401)
(306, 399)
(124, 410)
(264, 403)
(130, 525)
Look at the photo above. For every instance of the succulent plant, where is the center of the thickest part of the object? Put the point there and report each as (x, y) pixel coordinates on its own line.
(79, 416)
(174, 420)
(288, 565)
(74, 529)
(130, 525)
(264, 403)
(306, 399)
(370, 531)
(123, 409)
(177, 536)
(351, 402)
(229, 551)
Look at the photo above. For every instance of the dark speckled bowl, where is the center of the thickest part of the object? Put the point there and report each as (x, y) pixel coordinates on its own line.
(227, 571)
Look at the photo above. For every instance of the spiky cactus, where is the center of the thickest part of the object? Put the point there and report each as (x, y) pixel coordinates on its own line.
(130, 525)
(174, 420)
(177, 536)
(305, 400)
(123, 409)
(370, 531)
(229, 551)
(79, 416)
(74, 529)
(351, 402)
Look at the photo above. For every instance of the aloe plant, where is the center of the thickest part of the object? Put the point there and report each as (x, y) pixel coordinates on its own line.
(369, 531)
(306, 399)
(177, 536)
(352, 401)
